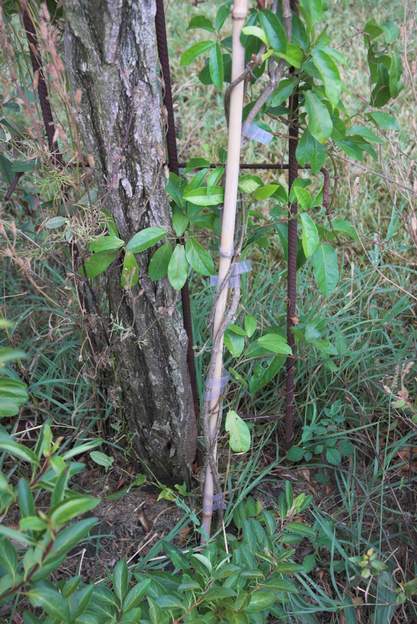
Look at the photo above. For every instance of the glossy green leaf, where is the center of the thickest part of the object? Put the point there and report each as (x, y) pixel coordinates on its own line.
(69, 509)
(205, 196)
(275, 343)
(309, 234)
(326, 270)
(51, 601)
(255, 31)
(222, 14)
(274, 30)
(55, 222)
(11, 447)
(234, 343)
(293, 54)
(239, 433)
(136, 594)
(330, 75)
(130, 271)
(105, 243)
(79, 449)
(333, 456)
(385, 121)
(158, 265)
(201, 21)
(101, 459)
(145, 239)
(262, 599)
(319, 121)
(312, 11)
(25, 498)
(98, 263)
(10, 355)
(194, 51)
(216, 66)
(310, 152)
(198, 257)
(250, 324)
(180, 222)
(71, 536)
(121, 580)
(178, 268)
(8, 558)
(282, 92)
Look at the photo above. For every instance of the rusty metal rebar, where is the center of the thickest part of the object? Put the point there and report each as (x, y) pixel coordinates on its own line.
(171, 141)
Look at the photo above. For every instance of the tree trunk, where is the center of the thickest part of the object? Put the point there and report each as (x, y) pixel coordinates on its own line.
(111, 56)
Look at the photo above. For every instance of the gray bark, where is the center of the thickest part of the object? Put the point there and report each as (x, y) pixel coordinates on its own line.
(111, 56)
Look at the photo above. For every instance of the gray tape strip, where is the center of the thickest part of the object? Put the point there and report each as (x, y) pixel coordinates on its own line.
(218, 502)
(215, 386)
(237, 269)
(258, 134)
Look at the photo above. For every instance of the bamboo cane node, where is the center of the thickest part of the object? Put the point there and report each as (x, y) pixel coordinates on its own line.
(239, 14)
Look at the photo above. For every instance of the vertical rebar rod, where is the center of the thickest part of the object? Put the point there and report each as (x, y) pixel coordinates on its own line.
(171, 141)
(292, 263)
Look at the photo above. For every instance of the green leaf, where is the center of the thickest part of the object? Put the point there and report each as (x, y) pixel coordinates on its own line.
(274, 30)
(121, 580)
(239, 433)
(145, 239)
(293, 54)
(222, 14)
(201, 21)
(255, 31)
(72, 508)
(180, 222)
(333, 456)
(326, 270)
(51, 601)
(98, 263)
(262, 600)
(319, 121)
(250, 325)
(8, 558)
(55, 222)
(329, 74)
(202, 196)
(385, 121)
(105, 243)
(8, 445)
(310, 152)
(32, 523)
(82, 448)
(13, 394)
(312, 11)
(130, 271)
(14, 535)
(178, 268)
(249, 183)
(341, 226)
(234, 343)
(310, 236)
(282, 92)
(295, 454)
(275, 343)
(25, 499)
(9, 355)
(216, 66)
(135, 595)
(158, 265)
(198, 257)
(266, 191)
(70, 537)
(194, 51)
(102, 459)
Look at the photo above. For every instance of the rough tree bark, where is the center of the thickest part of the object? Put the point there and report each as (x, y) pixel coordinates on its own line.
(111, 56)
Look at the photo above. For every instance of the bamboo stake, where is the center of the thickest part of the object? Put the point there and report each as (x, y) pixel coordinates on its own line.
(212, 409)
